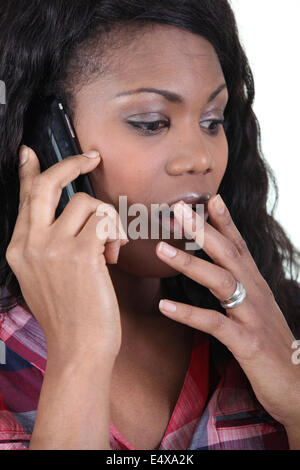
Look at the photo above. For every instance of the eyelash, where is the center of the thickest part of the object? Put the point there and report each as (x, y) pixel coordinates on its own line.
(149, 132)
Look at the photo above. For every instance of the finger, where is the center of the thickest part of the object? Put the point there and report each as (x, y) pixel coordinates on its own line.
(107, 209)
(75, 214)
(226, 330)
(29, 168)
(47, 187)
(219, 281)
(219, 248)
(111, 252)
(221, 219)
(102, 237)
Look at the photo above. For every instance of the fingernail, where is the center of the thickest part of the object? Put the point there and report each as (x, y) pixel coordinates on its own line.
(187, 210)
(219, 205)
(167, 306)
(92, 154)
(23, 155)
(167, 250)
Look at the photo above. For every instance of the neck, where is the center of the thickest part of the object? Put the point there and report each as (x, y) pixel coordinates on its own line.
(138, 297)
(142, 322)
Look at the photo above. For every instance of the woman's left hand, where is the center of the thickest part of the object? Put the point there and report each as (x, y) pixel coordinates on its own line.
(255, 331)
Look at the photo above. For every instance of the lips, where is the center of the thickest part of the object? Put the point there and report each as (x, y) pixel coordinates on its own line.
(191, 198)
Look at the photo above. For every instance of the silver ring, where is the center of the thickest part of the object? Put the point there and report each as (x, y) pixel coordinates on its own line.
(237, 298)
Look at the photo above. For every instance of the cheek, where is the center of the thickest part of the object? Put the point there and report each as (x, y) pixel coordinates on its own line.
(125, 169)
(221, 160)
(123, 172)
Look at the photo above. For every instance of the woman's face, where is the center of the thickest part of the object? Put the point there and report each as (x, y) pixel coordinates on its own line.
(185, 152)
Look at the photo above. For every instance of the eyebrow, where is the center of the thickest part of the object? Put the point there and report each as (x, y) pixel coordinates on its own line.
(169, 95)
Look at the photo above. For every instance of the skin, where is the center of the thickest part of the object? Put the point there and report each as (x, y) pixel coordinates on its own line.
(152, 169)
(133, 380)
(255, 331)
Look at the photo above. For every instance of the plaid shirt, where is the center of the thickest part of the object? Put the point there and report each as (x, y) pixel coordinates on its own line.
(216, 408)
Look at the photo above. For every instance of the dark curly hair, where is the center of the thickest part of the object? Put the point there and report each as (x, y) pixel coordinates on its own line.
(51, 48)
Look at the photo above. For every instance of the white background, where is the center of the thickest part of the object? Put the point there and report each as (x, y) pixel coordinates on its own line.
(270, 33)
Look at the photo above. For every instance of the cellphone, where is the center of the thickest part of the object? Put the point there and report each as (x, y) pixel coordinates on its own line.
(65, 143)
(49, 131)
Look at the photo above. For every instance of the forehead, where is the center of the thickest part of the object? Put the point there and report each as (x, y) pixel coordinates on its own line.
(161, 56)
(164, 54)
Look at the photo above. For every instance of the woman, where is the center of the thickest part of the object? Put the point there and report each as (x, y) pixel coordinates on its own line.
(122, 372)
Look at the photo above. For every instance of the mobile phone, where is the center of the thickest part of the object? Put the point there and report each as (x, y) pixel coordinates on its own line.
(65, 143)
(49, 131)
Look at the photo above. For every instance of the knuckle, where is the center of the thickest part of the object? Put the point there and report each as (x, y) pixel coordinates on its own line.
(227, 282)
(77, 257)
(105, 209)
(31, 253)
(217, 321)
(85, 257)
(187, 313)
(226, 221)
(38, 183)
(241, 246)
(56, 251)
(187, 261)
(231, 252)
(81, 197)
(256, 346)
(105, 228)
(253, 341)
(52, 253)
(12, 254)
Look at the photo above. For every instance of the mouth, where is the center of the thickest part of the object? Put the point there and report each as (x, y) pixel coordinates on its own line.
(168, 221)
(192, 199)
(172, 215)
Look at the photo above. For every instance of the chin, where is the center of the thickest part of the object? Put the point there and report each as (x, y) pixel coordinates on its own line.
(142, 261)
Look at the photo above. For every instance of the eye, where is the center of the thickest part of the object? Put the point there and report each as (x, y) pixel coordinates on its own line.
(148, 128)
(215, 123)
(152, 127)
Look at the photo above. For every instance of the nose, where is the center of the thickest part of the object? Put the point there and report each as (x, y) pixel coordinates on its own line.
(188, 160)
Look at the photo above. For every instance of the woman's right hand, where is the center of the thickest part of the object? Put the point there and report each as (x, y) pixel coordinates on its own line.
(61, 264)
